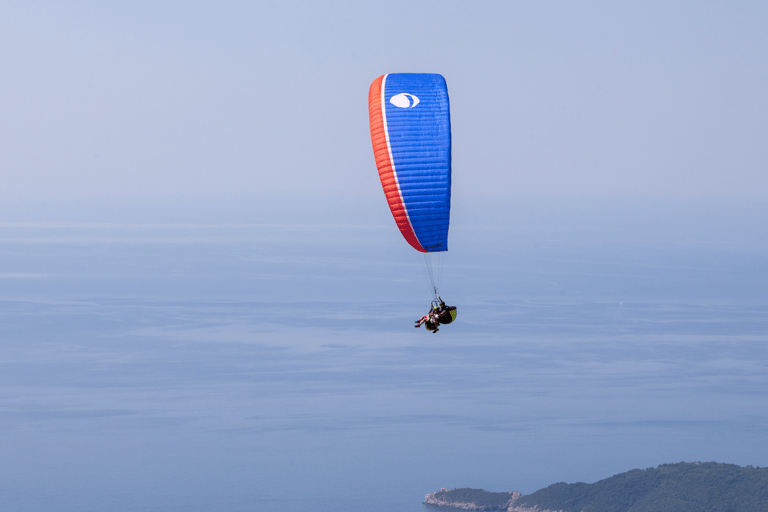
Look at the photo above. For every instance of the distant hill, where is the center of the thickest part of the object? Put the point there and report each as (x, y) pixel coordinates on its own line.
(683, 487)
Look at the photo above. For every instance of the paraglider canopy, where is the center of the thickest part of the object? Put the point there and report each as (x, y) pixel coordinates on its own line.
(410, 125)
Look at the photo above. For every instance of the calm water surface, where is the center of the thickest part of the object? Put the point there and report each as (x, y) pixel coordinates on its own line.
(274, 368)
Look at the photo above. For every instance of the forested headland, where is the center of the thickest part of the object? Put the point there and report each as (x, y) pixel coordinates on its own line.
(682, 487)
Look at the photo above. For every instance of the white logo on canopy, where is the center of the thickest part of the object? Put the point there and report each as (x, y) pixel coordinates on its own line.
(404, 100)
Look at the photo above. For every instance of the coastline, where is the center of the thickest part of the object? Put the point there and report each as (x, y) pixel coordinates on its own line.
(438, 500)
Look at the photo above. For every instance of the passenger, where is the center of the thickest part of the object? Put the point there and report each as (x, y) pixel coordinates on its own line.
(431, 319)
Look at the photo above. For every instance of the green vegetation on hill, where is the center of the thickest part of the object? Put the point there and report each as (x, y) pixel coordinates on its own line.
(484, 500)
(683, 487)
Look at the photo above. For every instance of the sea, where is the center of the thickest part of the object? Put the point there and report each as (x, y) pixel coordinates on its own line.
(275, 367)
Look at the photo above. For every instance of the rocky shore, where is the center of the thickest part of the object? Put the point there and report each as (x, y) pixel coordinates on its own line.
(492, 502)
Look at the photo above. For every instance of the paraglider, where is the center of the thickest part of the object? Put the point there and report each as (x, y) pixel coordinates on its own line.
(409, 116)
(438, 314)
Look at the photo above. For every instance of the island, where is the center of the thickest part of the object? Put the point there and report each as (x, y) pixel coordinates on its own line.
(681, 487)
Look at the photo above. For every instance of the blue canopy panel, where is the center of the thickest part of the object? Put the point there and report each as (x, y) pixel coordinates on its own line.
(411, 136)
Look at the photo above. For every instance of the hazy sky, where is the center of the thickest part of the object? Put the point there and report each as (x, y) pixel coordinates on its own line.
(225, 102)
